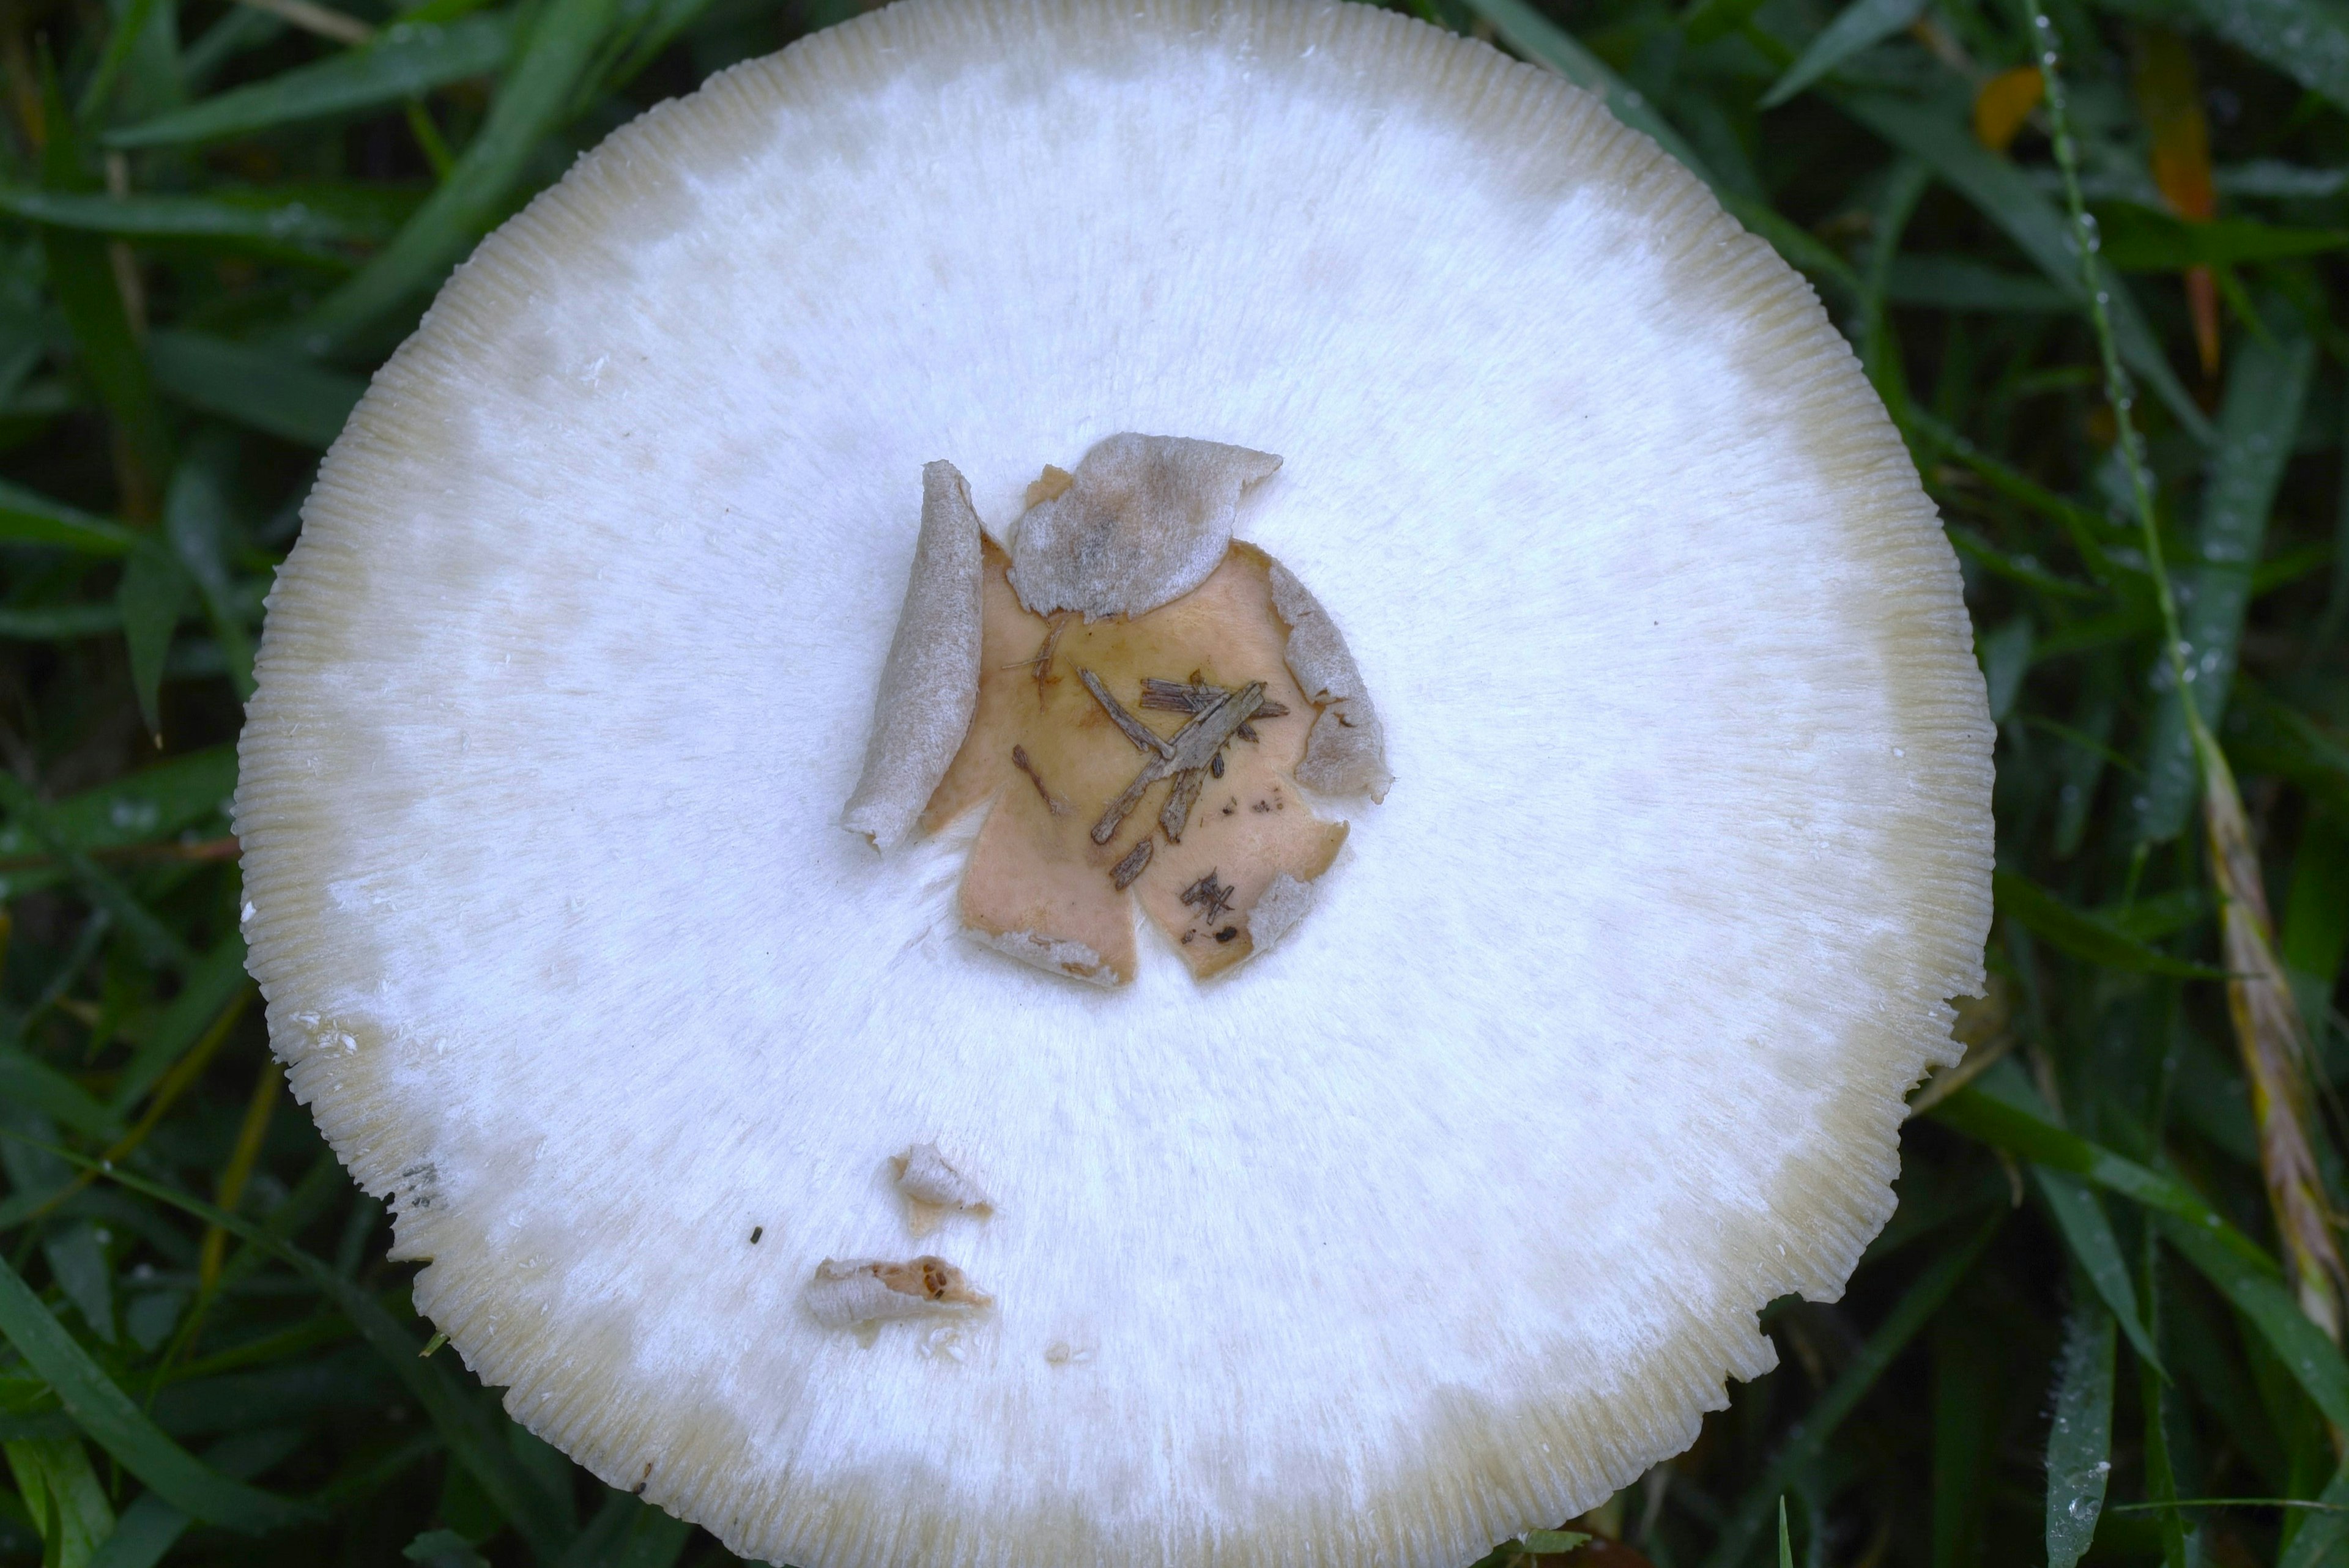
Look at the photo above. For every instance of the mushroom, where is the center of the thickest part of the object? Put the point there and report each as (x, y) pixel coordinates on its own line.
(1440, 1219)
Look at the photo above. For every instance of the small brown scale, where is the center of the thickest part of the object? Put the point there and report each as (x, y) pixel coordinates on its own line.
(1054, 744)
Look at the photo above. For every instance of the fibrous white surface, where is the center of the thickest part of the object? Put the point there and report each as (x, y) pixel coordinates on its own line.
(1438, 1222)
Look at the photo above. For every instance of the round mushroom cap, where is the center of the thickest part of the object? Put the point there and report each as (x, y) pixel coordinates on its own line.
(1439, 1221)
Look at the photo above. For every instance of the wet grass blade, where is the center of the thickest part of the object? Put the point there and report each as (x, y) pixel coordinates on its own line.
(2322, 1539)
(470, 1435)
(161, 944)
(1862, 24)
(2306, 39)
(211, 983)
(626, 1533)
(528, 104)
(2007, 198)
(287, 232)
(405, 60)
(1965, 1424)
(2266, 388)
(2080, 1436)
(1809, 1437)
(28, 1081)
(198, 522)
(1980, 1114)
(2088, 1233)
(2084, 935)
(88, 298)
(29, 518)
(151, 595)
(2268, 1305)
(114, 1422)
(257, 384)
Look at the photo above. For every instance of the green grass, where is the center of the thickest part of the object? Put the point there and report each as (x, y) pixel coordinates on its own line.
(214, 222)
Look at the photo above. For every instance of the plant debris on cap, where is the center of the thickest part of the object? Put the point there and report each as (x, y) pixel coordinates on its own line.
(1047, 882)
(758, 1185)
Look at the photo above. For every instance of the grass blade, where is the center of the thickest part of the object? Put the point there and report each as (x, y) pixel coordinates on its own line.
(2306, 39)
(2006, 197)
(1862, 24)
(405, 61)
(160, 944)
(2080, 1438)
(2083, 935)
(2139, 240)
(27, 517)
(29, 1081)
(108, 1415)
(211, 983)
(2275, 1053)
(1964, 1426)
(527, 106)
(2269, 1306)
(153, 592)
(470, 1435)
(63, 1496)
(81, 277)
(2080, 1219)
(1808, 1439)
(198, 522)
(290, 230)
(264, 388)
(2322, 1538)
(1980, 1114)
(2316, 917)
(2266, 387)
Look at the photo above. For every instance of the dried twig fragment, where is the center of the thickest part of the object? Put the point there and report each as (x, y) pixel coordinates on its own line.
(1183, 759)
(1209, 896)
(929, 687)
(1194, 696)
(1136, 862)
(1144, 738)
(852, 1291)
(1022, 762)
(1144, 520)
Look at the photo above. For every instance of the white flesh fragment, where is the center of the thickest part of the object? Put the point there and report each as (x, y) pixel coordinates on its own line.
(926, 1176)
(1145, 520)
(1073, 959)
(929, 687)
(846, 1292)
(1347, 752)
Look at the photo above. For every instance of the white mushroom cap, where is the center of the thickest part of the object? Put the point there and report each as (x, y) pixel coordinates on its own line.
(1436, 1223)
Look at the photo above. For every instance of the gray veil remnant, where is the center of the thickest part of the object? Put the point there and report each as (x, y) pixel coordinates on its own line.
(1144, 520)
(1346, 754)
(930, 685)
